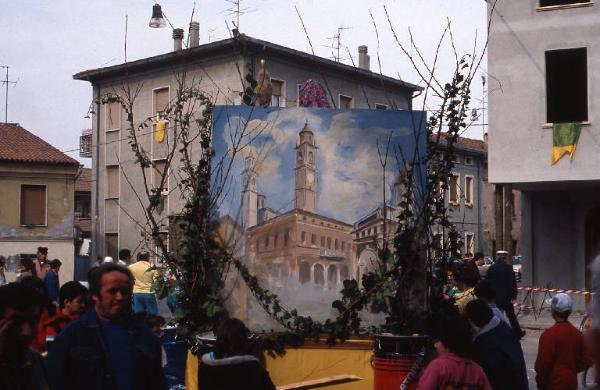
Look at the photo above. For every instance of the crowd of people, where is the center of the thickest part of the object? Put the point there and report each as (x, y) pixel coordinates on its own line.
(106, 337)
(72, 337)
(478, 343)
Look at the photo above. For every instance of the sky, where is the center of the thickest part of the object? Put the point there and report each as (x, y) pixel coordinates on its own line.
(349, 174)
(45, 42)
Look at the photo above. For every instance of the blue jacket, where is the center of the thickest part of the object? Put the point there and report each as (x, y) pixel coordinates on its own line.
(502, 278)
(499, 353)
(79, 359)
(52, 287)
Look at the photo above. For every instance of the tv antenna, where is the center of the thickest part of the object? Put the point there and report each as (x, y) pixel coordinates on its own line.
(236, 10)
(336, 43)
(6, 83)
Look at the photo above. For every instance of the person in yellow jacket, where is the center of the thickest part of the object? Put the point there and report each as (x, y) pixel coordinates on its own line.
(144, 300)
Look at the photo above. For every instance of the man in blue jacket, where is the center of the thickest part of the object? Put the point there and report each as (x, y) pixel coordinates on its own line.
(497, 350)
(106, 348)
(502, 278)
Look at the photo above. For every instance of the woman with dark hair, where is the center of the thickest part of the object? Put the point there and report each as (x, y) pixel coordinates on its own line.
(231, 366)
(453, 368)
(466, 278)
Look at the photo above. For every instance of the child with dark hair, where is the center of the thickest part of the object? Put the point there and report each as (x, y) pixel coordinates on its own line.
(72, 297)
(231, 366)
(453, 368)
(485, 291)
(466, 278)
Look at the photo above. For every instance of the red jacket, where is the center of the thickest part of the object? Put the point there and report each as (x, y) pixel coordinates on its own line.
(562, 353)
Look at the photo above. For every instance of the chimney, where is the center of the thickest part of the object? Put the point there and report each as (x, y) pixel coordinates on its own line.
(364, 61)
(485, 137)
(194, 34)
(177, 39)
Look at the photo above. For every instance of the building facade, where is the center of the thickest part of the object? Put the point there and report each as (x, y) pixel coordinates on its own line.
(544, 55)
(117, 216)
(37, 188)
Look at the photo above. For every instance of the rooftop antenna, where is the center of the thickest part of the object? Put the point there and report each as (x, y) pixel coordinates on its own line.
(6, 83)
(336, 43)
(236, 10)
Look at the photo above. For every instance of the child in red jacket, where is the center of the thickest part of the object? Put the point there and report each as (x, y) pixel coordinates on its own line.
(562, 352)
(72, 296)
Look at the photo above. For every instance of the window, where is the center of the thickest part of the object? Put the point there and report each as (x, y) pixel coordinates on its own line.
(332, 276)
(336, 245)
(313, 239)
(328, 242)
(379, 106)
(257, 244)
(303, 237)
(468, 190)
(311, 157)
(298, 87)
(266, 242)
(158, 170)
(513, 209)
(286, 238)
(275, 241)
(550, 3)
(468, 161)
(343, 246)
(33, 205)
(304, 272)
(469, 243)
(319, 274)
(454, 189)
(111, 245)
(113, 116)
(438, 241)
(566, 85)
(160, 101)
(112, 181)
(277, 99)
(323, 242)
(346, 102)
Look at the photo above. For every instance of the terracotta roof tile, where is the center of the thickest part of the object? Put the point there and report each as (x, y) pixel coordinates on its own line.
(19, 145)
(83, 182)
(468, 142)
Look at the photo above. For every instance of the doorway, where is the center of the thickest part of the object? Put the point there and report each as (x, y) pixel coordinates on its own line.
(592, 243)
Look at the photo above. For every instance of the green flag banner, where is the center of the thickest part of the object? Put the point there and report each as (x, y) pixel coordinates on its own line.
(564, 140)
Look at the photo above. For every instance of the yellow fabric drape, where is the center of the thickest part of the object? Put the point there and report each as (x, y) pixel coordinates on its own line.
(159, 132)
(306, 363)
(559, 151)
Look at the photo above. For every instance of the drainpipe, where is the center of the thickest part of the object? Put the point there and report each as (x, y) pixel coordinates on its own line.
(95, 224)
(479, 227)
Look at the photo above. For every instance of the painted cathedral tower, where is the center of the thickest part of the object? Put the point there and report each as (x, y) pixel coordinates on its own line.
(249, 206)
(306, 171)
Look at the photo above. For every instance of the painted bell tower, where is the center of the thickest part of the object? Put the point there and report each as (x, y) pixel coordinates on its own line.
(249, 206)
(306, 171)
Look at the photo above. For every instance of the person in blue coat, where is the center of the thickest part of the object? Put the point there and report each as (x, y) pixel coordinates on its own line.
(496, 349)
(502, 278)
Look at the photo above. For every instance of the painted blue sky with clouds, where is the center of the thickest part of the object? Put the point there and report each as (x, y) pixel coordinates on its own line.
(349, 174)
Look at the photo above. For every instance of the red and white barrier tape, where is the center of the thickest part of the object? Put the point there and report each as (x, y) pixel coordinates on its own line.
(555, 290)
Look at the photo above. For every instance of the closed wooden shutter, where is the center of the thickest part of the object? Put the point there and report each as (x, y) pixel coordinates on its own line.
(33, 205)
(159, 168)
(111, 245)
(161, 100)
(113, 116)
(112, 181)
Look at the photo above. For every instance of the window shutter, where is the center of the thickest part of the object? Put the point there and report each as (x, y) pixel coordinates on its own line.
(112, 181)
(161, 100)
(33, 205)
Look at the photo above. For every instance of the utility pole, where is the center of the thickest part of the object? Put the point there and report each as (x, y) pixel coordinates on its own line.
(6, 83)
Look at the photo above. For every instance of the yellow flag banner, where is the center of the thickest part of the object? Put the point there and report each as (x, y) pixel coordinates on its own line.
(159, 132)
(564, 140)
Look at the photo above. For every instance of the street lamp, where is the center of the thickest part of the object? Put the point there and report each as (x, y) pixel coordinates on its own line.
(157, 20)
